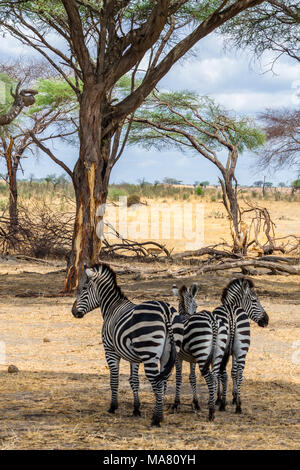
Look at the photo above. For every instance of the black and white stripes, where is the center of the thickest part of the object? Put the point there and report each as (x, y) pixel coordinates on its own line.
(154, 334)
(204, 343)
(239, 304)
(150, 332)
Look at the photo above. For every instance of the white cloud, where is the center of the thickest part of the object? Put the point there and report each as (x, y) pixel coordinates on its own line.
(251, 101)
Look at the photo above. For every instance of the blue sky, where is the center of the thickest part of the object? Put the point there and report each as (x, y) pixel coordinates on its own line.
(232, 78)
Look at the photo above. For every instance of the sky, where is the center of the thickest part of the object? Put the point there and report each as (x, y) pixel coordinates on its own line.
(232, 78)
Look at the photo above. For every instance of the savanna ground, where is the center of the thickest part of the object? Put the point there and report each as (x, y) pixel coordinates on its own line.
(60, 396)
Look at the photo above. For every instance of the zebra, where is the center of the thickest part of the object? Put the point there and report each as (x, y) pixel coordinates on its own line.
(239, 304)
(150, 332)
(203, 343)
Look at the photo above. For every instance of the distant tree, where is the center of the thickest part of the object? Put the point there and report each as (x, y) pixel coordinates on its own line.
(167, 180)
(282, 184)
(192, 123)
(295, 185)
(282, 127)
(258, 183)
(204, 183)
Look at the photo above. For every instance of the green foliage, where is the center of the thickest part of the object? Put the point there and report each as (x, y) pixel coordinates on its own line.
(168, 118)
(296, 184)
(199, 191)
(6, 99)
(53, 93)
(266, 27)
(204, 183)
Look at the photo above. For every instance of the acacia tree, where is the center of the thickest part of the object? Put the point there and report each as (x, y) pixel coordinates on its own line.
(282, 127)
(101, 41)
(50, 118)
(198, 124)
(16, 99)
(273, 26)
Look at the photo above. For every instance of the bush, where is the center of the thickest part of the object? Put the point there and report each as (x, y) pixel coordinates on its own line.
(133, 199)
(199, 191)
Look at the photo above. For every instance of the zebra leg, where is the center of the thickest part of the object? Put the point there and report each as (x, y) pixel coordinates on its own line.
(113, 362)
(193, 383)
(210, 381)
(239, 378)
(218, 380)
(224, 379)
(178, 365)
(134, 383)
(234, 380)
(152, 373)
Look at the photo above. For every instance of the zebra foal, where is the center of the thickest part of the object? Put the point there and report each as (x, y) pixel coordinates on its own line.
(148, 333)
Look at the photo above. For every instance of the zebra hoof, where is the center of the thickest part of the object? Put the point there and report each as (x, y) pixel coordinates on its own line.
(175, 406)
(155, 422)
(238, 410)
(222, 406)
(234, 400)
(195, 405)
(112, 409)
(211, 415)
(136, 413)
(218, 401)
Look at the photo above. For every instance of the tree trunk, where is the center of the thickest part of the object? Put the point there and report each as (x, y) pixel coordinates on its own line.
(90, 179)
(232, 206)
(12, 167)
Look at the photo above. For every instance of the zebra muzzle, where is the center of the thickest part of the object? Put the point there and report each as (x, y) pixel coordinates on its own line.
(75, 312)
(264, 320)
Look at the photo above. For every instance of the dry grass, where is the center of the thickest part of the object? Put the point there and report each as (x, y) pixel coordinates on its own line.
(59, 398)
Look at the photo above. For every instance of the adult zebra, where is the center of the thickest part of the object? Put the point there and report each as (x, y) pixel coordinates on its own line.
(150, 332)
(239, 304)
(204, 343)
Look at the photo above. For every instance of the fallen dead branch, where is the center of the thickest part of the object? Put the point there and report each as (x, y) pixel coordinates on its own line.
(295, 270)
(205, 251)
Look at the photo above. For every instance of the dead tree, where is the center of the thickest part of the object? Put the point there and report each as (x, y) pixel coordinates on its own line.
(22, 98)
(197, 123)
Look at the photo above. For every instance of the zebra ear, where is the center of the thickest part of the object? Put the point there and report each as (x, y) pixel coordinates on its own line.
(89, 272)
(175, 290)
(194, 289)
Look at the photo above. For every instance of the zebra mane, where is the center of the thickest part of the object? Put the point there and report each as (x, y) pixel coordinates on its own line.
(233, 283)
(106, 268)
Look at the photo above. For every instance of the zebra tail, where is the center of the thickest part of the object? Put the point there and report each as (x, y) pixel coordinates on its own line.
(165, 372)
(210, 359)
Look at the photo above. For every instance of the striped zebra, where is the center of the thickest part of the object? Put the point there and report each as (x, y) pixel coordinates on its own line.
(150, 332)
(203, 343)
(239, 304)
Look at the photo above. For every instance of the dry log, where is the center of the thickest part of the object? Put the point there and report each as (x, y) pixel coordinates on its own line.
(295, 270)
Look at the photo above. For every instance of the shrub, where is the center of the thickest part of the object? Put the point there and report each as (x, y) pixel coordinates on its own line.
(199, 191)
(133, 199)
